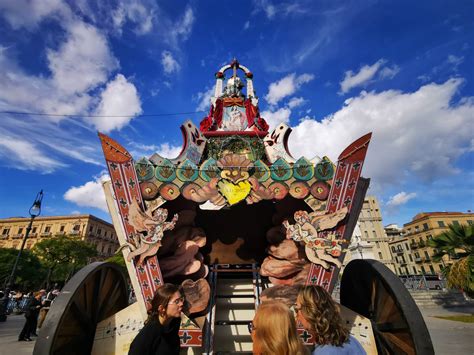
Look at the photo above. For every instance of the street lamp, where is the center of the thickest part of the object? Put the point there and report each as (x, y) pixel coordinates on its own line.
(34, 212)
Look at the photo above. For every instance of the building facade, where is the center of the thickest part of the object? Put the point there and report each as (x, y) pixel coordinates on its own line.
(85, 227)
(411, 253)
(369, 240)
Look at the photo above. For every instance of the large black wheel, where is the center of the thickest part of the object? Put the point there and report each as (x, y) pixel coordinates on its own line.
(96, 292)
(369, 288)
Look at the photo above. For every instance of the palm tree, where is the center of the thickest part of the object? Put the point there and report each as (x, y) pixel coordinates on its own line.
(458, 243)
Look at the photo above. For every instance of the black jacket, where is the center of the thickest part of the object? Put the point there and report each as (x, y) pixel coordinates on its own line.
(156, 339)
(33, 308)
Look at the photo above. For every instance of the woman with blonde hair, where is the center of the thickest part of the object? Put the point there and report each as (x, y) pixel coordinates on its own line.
(273, 331)
(319, 314)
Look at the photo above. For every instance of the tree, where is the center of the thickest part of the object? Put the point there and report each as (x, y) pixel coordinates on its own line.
(63, 254)
(458, 243)
(29, 273)
(119, 260)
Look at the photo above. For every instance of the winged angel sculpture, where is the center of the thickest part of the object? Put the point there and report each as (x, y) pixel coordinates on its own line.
(320, 249)
(151, 226)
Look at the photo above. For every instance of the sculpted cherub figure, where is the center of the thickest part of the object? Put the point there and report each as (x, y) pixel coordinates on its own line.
(319, 249)
(151, 225)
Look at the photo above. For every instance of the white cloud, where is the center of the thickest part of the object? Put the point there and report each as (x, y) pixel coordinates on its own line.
(119, 98)
(91, 194)
(27, 154)
(274, 118)
(83, 61)
(29, 13)
(412, 132)
(181, 30)
(296, 102)
(170, 65)
(136, 13)
(400, 199)
(455, 61)
(389, 73)
(246, 25)
(166, 150)
(286, 87)
(365, 74)
(204, 99)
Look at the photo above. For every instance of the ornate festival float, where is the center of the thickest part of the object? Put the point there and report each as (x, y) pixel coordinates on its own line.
(234, 204)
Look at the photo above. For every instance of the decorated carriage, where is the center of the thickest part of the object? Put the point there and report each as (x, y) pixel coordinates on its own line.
(234, 204)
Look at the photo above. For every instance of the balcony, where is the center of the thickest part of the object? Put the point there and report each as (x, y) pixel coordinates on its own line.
(46, 234)
(17, 236)
(418, 260)
(60, 233)
(413, 245)
(33, 235)
(74, 232)
(421, 244)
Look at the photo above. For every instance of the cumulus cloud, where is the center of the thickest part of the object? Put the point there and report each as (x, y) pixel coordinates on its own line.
(400, 199)
(286, 87)
(170, 65)
(91, 194)
(119, 99)
(83, 61)
(166, 150)
(204, 99)
(296, 102)
(274, 118)
(402, 124)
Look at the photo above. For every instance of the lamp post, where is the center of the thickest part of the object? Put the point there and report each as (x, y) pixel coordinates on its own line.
(34, 212)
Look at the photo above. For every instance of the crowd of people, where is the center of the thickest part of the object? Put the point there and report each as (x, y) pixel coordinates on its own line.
(273, 329)
(34, 306)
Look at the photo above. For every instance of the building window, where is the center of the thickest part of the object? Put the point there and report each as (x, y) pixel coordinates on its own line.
(411, 258)
(423, 270)
(417, 229)
(20, 230)
(366, 234)
(431, 269)
(403, 259)
(406, 246)
(61, 229)
(425, 226)
(47, 229)
(429, 237)
(6, 231)
(109, 250)
(34, 230)
(441, 224)
(380, 256)
(76, 227)
(414, 270)
(427, 256)
(393, 249)
(469, 221)
(91, 228)
(99, 231)
(456, 223)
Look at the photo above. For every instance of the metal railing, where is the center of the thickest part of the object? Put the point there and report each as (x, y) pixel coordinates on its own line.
(423, 282)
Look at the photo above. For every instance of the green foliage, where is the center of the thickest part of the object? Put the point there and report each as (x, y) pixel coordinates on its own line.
(119, 260)
(29, 273)
(62, 255)
(458, 243)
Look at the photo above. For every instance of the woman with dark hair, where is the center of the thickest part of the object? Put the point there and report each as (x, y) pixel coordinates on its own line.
(318, 313)
(160, 333)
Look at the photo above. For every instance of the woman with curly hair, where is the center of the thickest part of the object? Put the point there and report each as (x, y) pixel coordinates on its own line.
(318, 313)
(160, 333)
(273, 331)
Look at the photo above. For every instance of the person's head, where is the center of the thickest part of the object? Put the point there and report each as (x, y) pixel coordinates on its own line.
(273, 330)
(39, 294)
(318, 313)
(167, 303)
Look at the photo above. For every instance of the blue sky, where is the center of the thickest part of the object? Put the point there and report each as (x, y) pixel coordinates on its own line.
(333, 70)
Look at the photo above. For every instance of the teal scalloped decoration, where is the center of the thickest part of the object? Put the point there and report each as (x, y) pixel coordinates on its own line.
(209, 169)
(166, 171)
(303, 169)
(262, 172)
(281, 170)
(187, 171)
(324, 170)
(145, 169)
